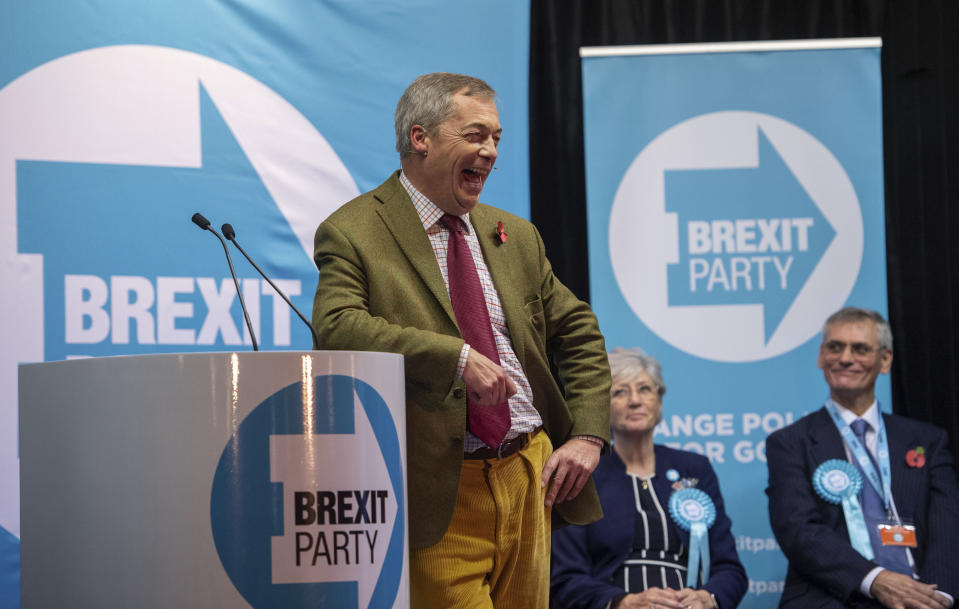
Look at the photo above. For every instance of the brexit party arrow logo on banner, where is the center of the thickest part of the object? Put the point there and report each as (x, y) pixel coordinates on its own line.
(105, 155)
(129, 306)
(745, 236)
(131, 141)
(733, 234)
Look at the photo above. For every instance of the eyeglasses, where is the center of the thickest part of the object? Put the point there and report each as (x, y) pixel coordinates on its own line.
(643, 390)
(835, 348)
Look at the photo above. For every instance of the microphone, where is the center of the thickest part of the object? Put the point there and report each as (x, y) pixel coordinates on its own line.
(203, 223)
(230, 234)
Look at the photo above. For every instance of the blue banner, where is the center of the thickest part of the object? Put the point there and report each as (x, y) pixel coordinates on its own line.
(735, 200)
(120, 120)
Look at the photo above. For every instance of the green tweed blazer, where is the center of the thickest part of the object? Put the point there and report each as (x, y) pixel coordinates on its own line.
(380, 289)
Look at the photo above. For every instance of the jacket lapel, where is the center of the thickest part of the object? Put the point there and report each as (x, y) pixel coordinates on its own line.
(906, 481)
(664, 490)
(826, 443)
(404, 224)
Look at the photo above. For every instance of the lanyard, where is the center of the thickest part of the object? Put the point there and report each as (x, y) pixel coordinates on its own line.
(881, 481)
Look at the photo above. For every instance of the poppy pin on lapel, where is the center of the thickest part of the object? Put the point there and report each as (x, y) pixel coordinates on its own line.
(916, 457)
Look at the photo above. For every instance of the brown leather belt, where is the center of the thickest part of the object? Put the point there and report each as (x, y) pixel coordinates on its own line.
(505, 449)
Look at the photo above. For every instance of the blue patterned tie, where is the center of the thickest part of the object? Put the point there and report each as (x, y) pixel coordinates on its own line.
(891, 557)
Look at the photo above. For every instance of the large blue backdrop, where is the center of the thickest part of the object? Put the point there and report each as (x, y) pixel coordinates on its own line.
(119, 120)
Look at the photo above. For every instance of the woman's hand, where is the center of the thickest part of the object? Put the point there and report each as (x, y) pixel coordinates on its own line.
(653, 598)
(695, 599)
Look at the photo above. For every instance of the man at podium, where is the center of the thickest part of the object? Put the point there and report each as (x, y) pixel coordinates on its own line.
(465, 293)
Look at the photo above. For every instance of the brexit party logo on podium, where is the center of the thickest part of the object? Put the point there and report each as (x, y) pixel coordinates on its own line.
(307, 500)
(750, 233)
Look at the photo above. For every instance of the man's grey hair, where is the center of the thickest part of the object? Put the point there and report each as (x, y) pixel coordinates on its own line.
(855, 314)
(428, 101)
(627, 364)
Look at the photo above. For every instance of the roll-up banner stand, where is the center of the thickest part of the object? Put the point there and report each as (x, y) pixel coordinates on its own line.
(735, 200)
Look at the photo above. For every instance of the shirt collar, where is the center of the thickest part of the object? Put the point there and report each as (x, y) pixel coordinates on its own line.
(428, 212)
(871, 415)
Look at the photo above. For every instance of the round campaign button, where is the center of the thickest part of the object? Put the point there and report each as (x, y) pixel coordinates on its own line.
(835, 479)
(689, 506)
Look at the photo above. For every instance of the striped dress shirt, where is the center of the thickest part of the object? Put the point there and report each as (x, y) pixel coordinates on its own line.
(523, 416)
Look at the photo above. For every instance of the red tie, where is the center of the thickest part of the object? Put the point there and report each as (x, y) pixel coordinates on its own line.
(488, 423)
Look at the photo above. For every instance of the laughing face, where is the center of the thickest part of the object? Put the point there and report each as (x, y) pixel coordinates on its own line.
(460, 155)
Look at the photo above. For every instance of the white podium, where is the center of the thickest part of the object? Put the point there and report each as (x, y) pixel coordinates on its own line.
(261, 480)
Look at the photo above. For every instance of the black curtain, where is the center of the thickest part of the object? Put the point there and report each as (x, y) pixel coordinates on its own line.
(921, 145)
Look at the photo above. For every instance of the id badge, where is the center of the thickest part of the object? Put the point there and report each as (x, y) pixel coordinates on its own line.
(894, 533)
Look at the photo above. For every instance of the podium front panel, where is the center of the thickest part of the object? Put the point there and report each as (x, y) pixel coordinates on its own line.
(257, 480)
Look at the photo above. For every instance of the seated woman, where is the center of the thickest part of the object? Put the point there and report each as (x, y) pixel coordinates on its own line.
(665, 540)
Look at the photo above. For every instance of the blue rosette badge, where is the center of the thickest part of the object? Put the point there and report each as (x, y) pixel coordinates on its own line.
(694, 511)
(839, 482)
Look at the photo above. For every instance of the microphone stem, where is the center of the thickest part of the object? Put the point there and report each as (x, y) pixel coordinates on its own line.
(239, 293)
(316, 340)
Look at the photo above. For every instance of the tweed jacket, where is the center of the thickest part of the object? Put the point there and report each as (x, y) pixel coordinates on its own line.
(380, 289)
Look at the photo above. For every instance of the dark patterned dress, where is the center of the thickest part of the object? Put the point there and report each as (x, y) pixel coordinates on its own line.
(658, 558)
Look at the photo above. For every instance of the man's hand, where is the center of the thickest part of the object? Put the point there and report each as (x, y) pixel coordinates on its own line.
(657, 598)
(695, 599)
(898, 591)
(569, 468)
(486, 381)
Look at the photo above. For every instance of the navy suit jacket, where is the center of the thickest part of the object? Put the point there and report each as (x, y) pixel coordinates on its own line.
(586, 557)
(824, 569)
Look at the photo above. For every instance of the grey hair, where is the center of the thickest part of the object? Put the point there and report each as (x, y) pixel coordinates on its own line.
(428, 101)
(627, 364)
(855, 314)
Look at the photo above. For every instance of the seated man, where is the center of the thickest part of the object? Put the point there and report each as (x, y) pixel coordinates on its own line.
(865, 505)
